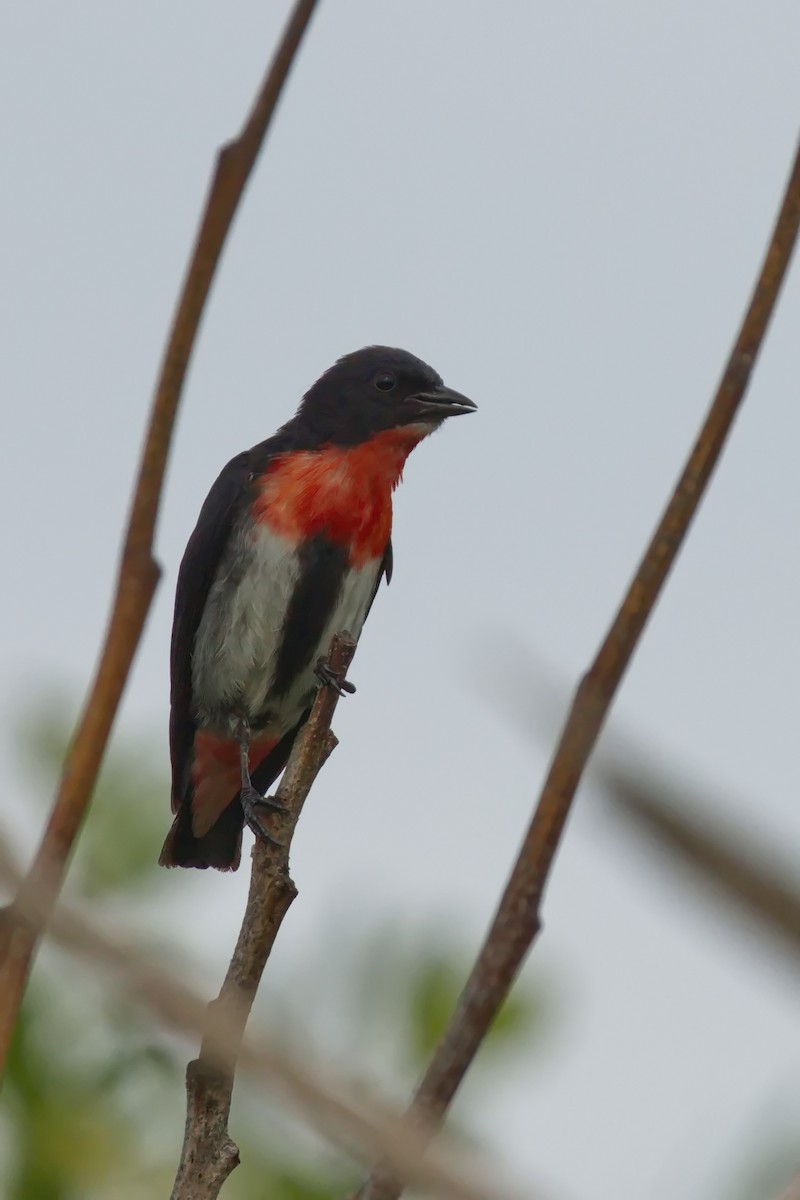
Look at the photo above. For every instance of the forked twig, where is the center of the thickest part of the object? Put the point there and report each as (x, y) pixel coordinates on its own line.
(516, 921)
(209, 1155)
(138, 572)
(361, 1124)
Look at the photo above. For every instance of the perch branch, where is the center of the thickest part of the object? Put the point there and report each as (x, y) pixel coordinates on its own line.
(209, 1155)
(138, 571)
(516, 921)
(342, 1113)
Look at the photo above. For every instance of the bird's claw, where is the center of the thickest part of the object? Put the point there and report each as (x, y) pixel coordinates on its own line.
(252, 801)
(332, 679)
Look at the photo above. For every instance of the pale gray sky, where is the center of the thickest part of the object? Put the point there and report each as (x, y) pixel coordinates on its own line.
(562, 207)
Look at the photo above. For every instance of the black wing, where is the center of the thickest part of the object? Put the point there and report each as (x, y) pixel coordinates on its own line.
(387, 566)
(227, 498)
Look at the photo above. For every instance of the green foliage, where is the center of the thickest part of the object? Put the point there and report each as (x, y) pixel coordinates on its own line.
(93, 1104)
(127, 817)
(67, 1099)
(435, 988)
(768, 1159)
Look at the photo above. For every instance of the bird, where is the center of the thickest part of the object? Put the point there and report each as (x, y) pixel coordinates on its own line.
(290, 547)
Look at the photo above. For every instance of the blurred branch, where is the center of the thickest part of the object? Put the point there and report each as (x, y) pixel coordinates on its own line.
(208, 1154)
(138, 573)
(516, 921)
(729, 862)
(674, 813)
(345, 1117)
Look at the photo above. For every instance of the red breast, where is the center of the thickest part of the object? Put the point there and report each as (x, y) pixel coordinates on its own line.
(345, 492)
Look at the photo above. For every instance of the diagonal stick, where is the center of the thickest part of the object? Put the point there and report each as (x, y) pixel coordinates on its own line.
(138, 572)
(516, 922)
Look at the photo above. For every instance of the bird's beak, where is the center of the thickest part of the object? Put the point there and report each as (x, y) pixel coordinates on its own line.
(441, 402)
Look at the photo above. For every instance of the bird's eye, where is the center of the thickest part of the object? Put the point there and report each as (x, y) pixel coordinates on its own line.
(385, 383)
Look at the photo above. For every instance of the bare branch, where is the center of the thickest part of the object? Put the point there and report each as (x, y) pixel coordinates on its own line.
(342, 1113)
(138, 572)
(208, 1154)
(675, 813)
(516, 922)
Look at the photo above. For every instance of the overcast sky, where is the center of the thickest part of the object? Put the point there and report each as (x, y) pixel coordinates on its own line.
(561, 207)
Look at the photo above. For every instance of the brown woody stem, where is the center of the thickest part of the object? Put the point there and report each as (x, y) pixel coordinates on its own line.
(138, 572)
(516, 921)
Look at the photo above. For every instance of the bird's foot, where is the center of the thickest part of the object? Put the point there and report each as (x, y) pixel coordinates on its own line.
(254, 803)
(330, 678)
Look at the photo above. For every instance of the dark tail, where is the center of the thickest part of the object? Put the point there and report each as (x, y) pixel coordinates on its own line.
(220, 847)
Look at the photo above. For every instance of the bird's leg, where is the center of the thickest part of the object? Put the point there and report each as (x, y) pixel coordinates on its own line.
(251, 800)
(330, 678)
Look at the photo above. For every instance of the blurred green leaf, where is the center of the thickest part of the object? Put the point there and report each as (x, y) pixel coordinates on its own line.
(129, 814)
(126, 825)
(93, 1105)
(296, 1180)
(66, 1139)
(434, 986)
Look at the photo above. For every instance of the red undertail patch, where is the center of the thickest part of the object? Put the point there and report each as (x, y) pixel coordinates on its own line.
(216, 775)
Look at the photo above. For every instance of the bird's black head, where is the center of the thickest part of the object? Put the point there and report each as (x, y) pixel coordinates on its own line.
(376, 389)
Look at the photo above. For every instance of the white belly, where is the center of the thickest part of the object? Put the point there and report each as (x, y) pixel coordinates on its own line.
(239, 635)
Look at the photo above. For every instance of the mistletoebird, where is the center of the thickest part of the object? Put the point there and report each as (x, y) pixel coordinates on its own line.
(290, 547)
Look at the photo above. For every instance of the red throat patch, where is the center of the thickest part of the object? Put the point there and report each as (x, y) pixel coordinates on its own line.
(345, 493)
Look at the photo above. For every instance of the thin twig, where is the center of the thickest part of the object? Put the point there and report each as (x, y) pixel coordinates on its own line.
(209, 1155)
(516, 922)
(342, 1113)
(138, 572)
